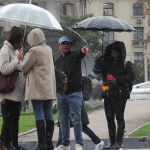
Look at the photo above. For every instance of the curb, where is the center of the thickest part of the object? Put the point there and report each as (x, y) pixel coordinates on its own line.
(32, 130)
(136, 129)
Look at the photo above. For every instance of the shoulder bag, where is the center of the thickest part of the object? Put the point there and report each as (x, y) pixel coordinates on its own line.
(7, 82)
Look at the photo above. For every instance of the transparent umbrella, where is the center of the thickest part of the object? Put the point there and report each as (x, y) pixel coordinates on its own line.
(29, 14)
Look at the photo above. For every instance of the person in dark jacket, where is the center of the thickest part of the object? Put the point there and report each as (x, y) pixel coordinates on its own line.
(85, 121)
(70, 104)
(115, 90)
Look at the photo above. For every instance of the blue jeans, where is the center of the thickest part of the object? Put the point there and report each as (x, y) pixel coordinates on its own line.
(43, 109)
(70, 106)
(86, 130)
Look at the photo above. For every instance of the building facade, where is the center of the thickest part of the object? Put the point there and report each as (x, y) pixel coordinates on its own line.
(59, 8)
(126, 10)
(130, 12)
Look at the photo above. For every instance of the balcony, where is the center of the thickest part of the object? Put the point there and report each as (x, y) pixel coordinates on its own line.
(138, 43)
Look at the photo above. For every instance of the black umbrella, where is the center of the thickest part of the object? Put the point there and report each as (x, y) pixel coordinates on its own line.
(52, 37)
(103, 23)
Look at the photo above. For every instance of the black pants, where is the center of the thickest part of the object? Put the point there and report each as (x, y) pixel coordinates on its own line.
(115, 108)
(12, 113)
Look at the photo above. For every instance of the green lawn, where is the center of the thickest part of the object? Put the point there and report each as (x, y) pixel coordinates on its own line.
(27, 122)
(143, 131)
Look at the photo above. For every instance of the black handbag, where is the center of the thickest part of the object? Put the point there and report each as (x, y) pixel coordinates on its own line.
(7, 82)
(61, 81)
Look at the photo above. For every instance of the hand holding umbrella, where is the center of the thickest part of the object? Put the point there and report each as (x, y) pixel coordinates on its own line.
(20, 54)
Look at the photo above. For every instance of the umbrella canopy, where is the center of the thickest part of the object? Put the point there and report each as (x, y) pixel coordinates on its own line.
(103, 23)
(78, 42)
(29, 14)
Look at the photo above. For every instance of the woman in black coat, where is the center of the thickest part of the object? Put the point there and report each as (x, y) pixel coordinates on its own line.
(115, 90)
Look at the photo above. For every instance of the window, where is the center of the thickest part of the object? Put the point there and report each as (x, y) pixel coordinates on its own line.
(108, 9)
(68, 9)
(35, 4)
(137, 9)
(138, 56)
(109, 36)
(138, 35)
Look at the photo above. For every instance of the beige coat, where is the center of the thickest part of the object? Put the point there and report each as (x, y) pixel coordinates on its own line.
(38, 64)
(7, 67)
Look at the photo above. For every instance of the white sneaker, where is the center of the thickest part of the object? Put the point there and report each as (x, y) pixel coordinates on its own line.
(56, 148)
(78, 147)
(99, 146)
(62, 147)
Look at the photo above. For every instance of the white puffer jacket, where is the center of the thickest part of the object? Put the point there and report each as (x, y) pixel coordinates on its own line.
(9, 63)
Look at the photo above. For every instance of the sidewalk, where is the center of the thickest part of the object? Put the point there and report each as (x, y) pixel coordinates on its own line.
(137, 113)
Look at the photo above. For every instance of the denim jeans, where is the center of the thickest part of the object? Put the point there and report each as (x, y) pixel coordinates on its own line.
(43, 109)
(70, 106)
(87, 131)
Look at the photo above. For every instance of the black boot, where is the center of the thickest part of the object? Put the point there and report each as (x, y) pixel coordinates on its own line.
(118, 145)
(49, 134)
(112, 137)
(120, 136)
(110, 146)
(40, 124)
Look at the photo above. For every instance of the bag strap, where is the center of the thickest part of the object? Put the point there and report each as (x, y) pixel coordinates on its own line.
(125, 64)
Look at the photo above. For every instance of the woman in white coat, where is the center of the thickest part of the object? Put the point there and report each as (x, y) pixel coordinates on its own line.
(40, 86)
(10, 60)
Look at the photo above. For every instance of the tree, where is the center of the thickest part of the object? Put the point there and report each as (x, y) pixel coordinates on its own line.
(92, 38)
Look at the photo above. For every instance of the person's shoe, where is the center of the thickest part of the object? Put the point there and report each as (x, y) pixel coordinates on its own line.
(119, 146)
(9, 148)
(99, 146)
(56, 148)
(62, 147)
(78, 147)
(20, 148)
(110, 146)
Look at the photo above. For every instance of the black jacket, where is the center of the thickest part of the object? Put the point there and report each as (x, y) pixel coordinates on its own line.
(70, 64)
(116, 68)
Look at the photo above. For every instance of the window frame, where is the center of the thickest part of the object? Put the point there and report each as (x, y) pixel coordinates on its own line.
(104, 4)
(66, 14)
(136, 9)
(137, 28)
(108, 36)
(139, 54)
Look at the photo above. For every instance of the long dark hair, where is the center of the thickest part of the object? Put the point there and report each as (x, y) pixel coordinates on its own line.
(15, 37)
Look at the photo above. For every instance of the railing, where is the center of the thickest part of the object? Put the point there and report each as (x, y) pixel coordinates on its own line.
(138, 42)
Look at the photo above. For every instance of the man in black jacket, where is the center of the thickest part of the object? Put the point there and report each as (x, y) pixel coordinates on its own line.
(115, 90)
(70, 104)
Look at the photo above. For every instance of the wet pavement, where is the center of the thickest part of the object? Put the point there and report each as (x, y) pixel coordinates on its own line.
(88, 145)
(137, 113)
